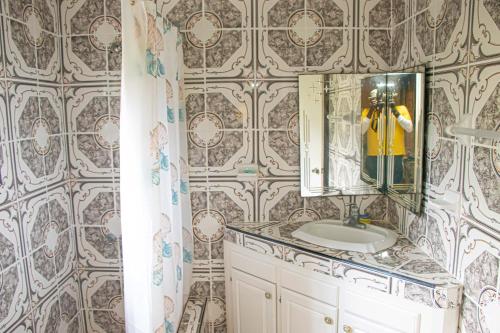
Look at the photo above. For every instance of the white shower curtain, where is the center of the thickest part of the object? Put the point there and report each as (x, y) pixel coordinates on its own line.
(156, 212)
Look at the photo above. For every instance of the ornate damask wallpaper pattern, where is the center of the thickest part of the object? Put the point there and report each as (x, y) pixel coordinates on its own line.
(269, 42)
(39, 283)
(59, 195)
(457, 42)
(90, 34)
(59, 117)
(241, 62)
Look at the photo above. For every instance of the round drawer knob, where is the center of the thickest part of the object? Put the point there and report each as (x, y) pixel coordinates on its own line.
(347, 329)
(268, 295)
(328, 320)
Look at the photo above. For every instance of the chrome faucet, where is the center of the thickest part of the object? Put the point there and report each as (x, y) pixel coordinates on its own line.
(353, 219)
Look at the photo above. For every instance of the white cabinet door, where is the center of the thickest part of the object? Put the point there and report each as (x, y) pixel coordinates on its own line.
(352, 323)
(364, 314)
(254, 304)
(301, 314)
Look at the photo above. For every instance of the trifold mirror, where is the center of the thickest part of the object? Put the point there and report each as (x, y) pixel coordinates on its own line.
(362, 134)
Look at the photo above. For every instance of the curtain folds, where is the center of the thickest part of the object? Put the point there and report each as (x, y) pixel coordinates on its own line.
(156, 212)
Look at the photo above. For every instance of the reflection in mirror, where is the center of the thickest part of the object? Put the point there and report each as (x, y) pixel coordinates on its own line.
(372, 120)
(331, 141)
(362, 134)
(405, 138)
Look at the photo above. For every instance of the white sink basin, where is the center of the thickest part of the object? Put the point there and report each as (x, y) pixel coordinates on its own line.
(336, 235)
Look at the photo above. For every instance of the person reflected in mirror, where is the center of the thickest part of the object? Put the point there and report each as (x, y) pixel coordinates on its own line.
(399, 123)
(370, 121)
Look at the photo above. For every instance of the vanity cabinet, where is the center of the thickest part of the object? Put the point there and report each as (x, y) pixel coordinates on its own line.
(267, 295)
(255, 306)
(254, 303)
(362, 314)
(300, 313)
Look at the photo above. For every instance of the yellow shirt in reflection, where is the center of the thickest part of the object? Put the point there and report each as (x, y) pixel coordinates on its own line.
(398, 141)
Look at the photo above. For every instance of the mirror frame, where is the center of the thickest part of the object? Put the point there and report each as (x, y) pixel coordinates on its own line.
(409, 195)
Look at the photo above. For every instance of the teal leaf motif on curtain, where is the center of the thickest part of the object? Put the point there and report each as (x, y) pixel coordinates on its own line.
(182, 114)
(154, 66)
(170, 115)
(187, 256)
(167, 26)
(169, 327)
(164, 163)
(155, 177)
(175, 197)
(157, 278)
(184, 187)
(167, 250)
(179, 273)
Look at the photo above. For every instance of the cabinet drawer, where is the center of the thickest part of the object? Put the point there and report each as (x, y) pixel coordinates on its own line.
(300, 314)
(363, 314)
(309, 286)
(254, 264)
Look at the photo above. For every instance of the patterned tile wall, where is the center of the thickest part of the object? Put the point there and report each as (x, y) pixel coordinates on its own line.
(241, 63)
(39, 284)
(59, 117)
(458, 42)
(241, 59)
(91, 59)
(242, 110)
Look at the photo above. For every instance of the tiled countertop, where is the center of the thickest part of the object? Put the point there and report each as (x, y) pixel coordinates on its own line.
(402, 269)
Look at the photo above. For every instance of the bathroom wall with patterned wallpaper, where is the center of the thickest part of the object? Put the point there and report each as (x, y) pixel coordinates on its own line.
(242, 59)
(91, 43)
(241, 62)
(459, 42)
(60, 265)
(59, 198)
(39, 288)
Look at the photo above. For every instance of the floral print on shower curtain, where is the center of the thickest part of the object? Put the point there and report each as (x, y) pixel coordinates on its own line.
(160, 120)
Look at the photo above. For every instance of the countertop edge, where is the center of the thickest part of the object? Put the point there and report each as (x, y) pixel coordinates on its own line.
(444, 295)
